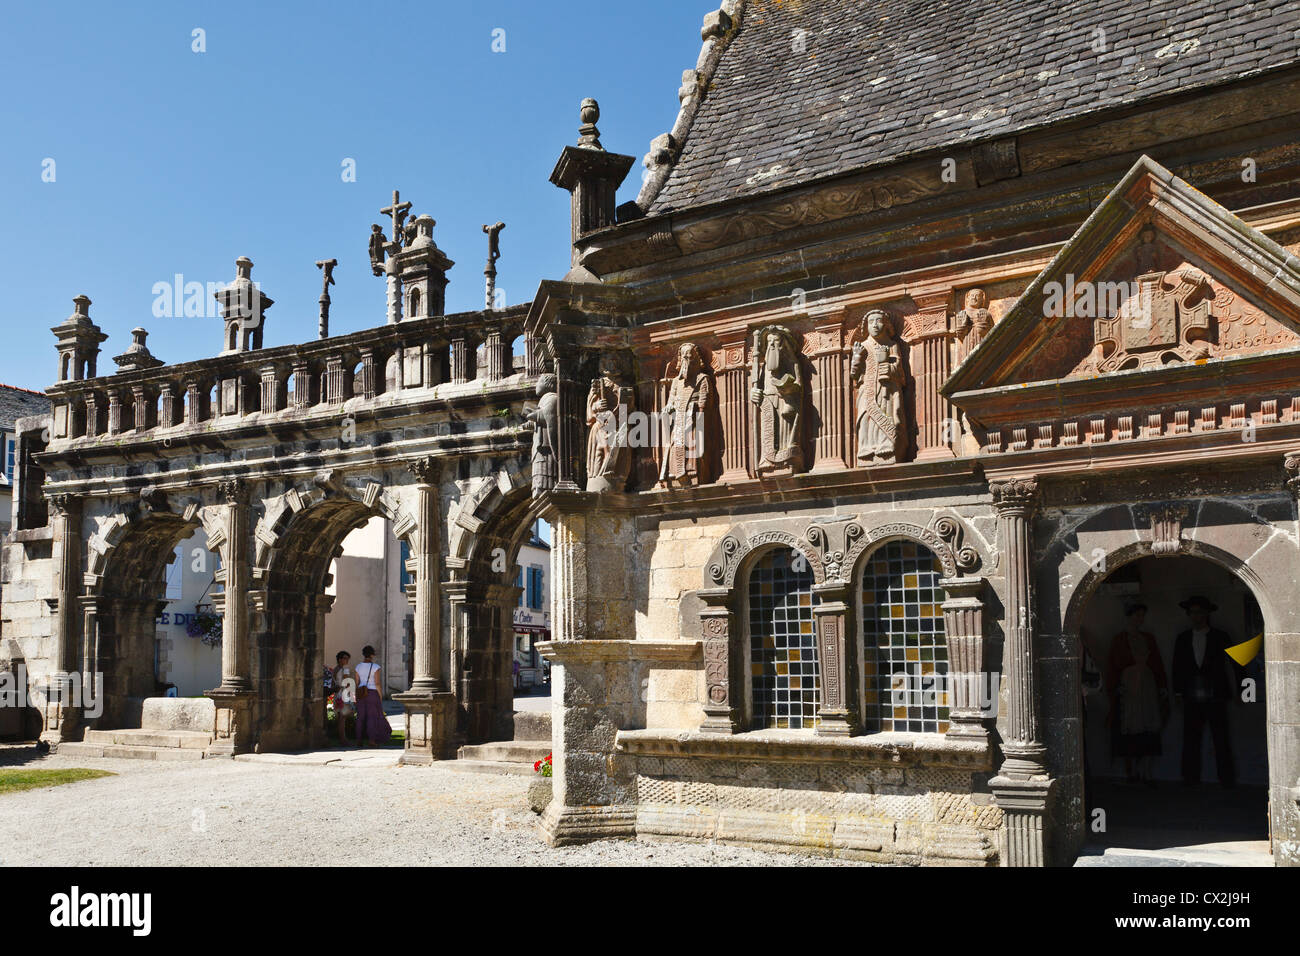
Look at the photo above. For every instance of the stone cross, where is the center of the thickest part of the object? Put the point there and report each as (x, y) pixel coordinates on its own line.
(397, 211)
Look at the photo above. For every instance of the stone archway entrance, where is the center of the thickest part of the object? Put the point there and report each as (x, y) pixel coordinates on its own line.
(1157, 780)
(119, 614)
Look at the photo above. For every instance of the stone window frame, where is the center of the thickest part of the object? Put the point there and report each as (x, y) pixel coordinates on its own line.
(857, 629)
(832, 545)
(746, 642)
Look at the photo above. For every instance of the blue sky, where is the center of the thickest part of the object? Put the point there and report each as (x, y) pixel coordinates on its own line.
(170, 161)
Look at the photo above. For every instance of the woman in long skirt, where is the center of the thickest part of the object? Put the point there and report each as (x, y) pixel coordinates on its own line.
(371, 722)
(1139, 694)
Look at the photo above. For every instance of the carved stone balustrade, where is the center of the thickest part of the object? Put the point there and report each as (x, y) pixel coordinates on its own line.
(289, 381)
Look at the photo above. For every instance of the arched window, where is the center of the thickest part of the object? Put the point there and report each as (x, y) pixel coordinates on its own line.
(415, 303)
(783, 643)
(905, 651)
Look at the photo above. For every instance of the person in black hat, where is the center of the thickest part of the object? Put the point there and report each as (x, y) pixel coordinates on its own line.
(1202, 685)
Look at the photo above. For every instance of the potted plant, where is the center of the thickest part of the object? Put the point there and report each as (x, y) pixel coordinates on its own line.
(540, 790)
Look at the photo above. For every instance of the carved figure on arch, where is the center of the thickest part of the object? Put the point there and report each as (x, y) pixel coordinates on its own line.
(777, 392)
(685, 440)
(609, 404)
(545, 421)
(880, 377)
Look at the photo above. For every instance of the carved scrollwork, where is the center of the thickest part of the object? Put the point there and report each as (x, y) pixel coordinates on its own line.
(736, 546)
(1015, 494)
(954, 534)
(1292, 465)
(1166, 526)
(939, 547)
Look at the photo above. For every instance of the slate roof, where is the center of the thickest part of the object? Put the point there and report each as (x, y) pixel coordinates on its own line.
(881, 79)
(16, 403)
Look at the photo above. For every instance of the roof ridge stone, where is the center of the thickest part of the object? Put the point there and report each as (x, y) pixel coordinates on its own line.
(720, 26)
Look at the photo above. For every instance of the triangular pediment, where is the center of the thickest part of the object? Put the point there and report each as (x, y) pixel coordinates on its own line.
(1159, 275)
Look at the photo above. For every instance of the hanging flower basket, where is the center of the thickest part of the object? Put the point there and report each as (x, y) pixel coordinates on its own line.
(206, 626)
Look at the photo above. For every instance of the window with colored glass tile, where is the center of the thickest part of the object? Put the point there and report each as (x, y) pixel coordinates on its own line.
(904, 652)
(783, 643)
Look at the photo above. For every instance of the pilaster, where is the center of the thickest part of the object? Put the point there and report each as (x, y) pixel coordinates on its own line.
(722, 664)
(837, 717)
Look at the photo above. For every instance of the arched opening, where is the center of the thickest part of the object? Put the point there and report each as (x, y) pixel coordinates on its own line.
(1174, 721)
(370, 585)
(500, 612)
(904, 650)
(785, 676)
(416, 303)
(133, 644)
(310, 560)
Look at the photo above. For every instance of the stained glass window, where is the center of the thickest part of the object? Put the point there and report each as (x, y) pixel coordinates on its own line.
(783, 643)
(905, 654)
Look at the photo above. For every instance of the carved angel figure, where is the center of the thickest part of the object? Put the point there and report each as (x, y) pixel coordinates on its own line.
(878, 373)
(684, 439)
(776, 389)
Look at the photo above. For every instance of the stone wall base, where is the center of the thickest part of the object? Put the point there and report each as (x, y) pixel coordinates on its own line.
(569, 826)
(867, 840)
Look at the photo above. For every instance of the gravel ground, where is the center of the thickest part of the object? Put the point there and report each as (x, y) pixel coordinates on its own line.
(223, 812)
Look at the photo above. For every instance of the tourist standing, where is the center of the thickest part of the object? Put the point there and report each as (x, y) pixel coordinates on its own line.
(371, 722)
(345, 693)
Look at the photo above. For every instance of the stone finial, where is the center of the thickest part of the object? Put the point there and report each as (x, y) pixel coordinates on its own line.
(244, 268)
(243, 308)
(588, 135)
(78, 344)
(424, 232)
(80, 310)
(137, 354)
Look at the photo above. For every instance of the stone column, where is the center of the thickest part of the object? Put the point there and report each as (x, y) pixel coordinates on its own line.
(568, 576)
(369, 375)
(927, 334)
(428, 625)
(723, 665)
(973, 697)
(733, 406)
(570, 410)
(61, 711)
(234, 698)
(430, 707)
(393, 284)
(90, 669)
(832, 398)
(1022, 787)
(494, 356)
(837, 646)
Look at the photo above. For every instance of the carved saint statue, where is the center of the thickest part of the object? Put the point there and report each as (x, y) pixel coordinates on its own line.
(684, 430)
(377, 242)
(974, 321)
(545, 422)
(776, 388)
(609, 403)
(878, 372)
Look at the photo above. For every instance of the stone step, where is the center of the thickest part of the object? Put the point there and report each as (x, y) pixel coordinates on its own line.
(532, 725)
(129, 737)
(487, 766)
(508, 751)
(74, 749)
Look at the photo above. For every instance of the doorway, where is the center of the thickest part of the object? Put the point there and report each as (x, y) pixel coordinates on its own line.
(1174, 715)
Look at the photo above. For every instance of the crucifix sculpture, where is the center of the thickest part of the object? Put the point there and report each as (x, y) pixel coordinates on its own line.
(494, 253)
(397, 211)
(327, 266)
